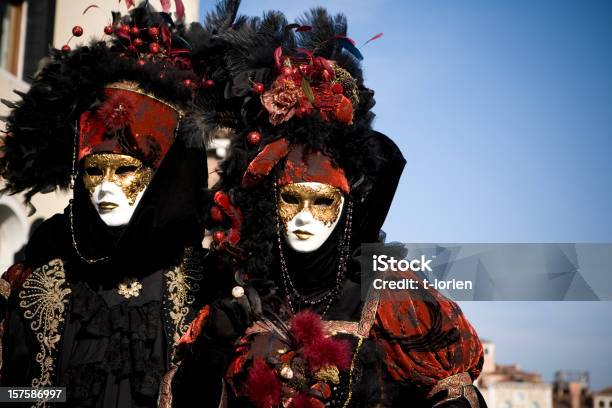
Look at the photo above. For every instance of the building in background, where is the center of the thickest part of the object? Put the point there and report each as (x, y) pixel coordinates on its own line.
(507, 386)
(571, 389)
(603, 398)
(27, 30)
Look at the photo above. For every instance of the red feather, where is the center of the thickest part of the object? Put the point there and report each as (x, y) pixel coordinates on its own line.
(166, 36)
(346, 38)
(130, 3)
(90, 7)
(233, 213)
(263, 388)
(278, 53)
(165, 5)
(306, 327)
(326, 351)
(264, 162)
(180, 9)
(376, 37)
(303, 28)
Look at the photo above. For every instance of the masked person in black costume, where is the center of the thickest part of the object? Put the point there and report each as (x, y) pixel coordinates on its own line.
(305, 183)
(108, 287)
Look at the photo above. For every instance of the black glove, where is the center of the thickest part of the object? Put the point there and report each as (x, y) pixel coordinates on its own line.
(200, 373)
(230, 317)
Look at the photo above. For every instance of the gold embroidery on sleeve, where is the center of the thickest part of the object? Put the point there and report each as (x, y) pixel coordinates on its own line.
(180, 287)
(44, 297)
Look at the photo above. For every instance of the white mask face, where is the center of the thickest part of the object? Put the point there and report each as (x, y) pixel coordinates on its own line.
(309, 213)
(116, 183)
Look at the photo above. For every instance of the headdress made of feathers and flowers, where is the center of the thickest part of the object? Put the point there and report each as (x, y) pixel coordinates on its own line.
(168, 67)
(301, 112)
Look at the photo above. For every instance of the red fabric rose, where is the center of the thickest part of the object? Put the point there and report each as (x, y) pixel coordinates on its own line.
(282, 100)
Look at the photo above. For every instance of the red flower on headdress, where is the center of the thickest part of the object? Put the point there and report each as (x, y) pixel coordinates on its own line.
(306, 84)
(282, 100)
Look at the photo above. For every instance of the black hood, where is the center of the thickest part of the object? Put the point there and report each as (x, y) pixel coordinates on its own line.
(169, 217)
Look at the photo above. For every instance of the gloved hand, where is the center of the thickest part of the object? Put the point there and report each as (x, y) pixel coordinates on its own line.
(201, 371)
(231, 316)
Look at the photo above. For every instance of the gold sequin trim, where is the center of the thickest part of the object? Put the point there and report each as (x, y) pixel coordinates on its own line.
(351, 373)
(135, 87)
(43, 300)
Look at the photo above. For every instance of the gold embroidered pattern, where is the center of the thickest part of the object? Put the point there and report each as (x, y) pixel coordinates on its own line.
(43, 299)
(329, 373)
(456, 386)
(134, 87)
(180, 286)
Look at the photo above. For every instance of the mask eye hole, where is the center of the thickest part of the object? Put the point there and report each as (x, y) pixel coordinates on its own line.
(290, 198)
(93, 171)
(324, 201)
(122, 170)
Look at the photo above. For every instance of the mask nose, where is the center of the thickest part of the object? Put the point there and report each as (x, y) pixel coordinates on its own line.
(107, 189)
(304, 217)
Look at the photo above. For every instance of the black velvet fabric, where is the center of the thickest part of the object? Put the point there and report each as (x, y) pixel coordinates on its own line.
(114, 350)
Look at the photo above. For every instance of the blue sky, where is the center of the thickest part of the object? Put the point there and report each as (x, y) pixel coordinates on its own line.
(504, 113)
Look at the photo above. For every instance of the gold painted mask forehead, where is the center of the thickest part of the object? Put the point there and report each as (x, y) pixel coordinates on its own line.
(127, 172)
(322, 201)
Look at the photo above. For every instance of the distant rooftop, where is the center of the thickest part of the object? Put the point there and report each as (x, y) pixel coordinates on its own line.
(605, 391)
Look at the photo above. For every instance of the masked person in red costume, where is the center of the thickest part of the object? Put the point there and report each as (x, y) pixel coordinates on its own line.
(305, 183)
(108, 287)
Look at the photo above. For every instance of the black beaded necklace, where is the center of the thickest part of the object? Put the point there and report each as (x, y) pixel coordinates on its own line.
(327, 298)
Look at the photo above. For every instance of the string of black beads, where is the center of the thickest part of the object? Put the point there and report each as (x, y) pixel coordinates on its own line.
(327, 298)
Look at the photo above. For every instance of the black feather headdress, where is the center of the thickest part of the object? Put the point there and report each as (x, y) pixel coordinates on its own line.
(169, 61)
(325, 107)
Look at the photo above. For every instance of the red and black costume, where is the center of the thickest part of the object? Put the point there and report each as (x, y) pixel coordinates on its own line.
(141, 91)
(303, 115)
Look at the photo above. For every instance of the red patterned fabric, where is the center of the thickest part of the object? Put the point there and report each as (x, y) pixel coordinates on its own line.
(312, 167)
(299, 167)
(130, 123)
(413, 318)
(264, 162)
